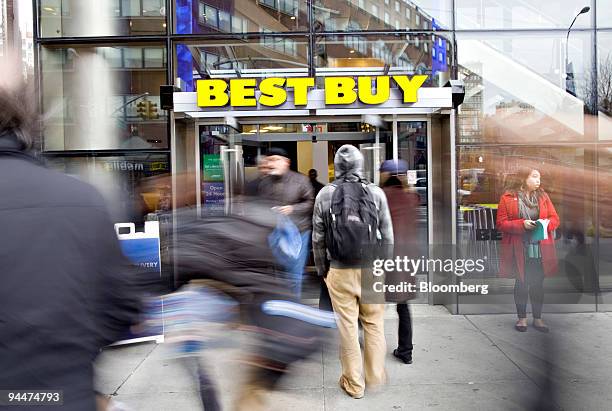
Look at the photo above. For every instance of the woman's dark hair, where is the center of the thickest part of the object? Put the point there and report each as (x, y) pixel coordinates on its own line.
(516, 181)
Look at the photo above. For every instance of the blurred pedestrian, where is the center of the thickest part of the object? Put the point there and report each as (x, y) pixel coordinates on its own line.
(526, 254)
(403, 205)
(316, 185)
(351, 215)
(291, 195)
(67, 291)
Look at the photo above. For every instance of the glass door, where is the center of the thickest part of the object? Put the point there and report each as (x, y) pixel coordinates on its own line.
(221, 168)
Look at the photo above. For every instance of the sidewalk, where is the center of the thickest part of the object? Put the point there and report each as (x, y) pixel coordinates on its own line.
(460, 363)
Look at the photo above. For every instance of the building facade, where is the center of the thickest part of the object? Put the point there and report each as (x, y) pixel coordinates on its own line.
(536, 93)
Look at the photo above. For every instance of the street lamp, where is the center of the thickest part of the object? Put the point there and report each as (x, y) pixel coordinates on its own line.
(569, 72)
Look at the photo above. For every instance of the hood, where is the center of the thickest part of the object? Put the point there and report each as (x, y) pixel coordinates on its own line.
(348, 162)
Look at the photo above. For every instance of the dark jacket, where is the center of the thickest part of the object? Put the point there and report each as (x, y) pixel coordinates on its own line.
(289, 189)
(66, 290)
(348, 165)
(403, 206)
(512, 258)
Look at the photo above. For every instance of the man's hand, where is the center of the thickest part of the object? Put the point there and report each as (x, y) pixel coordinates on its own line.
(285, 210)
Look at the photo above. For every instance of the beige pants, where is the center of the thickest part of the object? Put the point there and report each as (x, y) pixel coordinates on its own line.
(345, 291)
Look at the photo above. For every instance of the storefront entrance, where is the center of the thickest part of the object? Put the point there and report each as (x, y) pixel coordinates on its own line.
(220, 148)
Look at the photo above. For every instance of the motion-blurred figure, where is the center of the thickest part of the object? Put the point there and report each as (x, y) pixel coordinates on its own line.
(349, 213)
(291, 194)
(316, 185)
(233, 250)
(66, 288)
(403, 205)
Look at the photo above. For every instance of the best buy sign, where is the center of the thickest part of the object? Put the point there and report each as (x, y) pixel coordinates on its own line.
(241, 92)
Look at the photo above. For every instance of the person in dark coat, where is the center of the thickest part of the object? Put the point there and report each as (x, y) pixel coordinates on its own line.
(66, 288)
(290, 193)
(528, 261)
(316, 185)
(402, 205)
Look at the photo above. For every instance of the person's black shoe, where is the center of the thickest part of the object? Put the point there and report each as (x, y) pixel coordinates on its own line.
(403, 358)
(521, 328)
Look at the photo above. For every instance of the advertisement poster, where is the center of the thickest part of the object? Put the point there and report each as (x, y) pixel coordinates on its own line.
(214, 198)
(213, 169)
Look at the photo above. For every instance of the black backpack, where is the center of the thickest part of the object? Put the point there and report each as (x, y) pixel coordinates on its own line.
(353, 222)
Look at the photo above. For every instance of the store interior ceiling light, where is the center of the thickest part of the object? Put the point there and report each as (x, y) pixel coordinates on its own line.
(273, 128)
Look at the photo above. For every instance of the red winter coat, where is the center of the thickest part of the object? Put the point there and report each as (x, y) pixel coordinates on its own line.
(512, 258)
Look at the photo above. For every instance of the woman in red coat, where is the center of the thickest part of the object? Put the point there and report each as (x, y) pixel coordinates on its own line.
(522, 257)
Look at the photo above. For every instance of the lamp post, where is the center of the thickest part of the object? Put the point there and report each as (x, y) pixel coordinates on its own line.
(569, 72)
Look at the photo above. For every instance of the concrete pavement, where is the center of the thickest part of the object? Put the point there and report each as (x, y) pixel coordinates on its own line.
(461, 362)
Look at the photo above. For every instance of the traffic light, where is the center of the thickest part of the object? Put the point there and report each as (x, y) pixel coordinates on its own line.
(147, 110)
(141, 109)
(152, 113)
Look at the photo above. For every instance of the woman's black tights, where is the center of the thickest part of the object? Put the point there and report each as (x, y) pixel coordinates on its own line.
(532, 287)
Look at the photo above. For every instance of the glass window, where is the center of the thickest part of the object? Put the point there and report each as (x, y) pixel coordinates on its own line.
(518, 14)
(211, 16)
(130, 183)
(132, 57)
(387, 18)
(604, 14)
(518, 90)
(340, 14)
(262, 57)
(154, 58)
(485, 173)
(153, 7)
(118, 108)
(604, 207)
(604, 85)
(83, 18)
(417, 18)
(397, 24)
(241, 16)
(401, 52)
(387, 2)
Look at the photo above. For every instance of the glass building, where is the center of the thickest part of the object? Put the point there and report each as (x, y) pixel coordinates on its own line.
(536, 92)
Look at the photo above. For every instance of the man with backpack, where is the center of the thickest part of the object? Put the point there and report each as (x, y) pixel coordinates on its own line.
(351, 217)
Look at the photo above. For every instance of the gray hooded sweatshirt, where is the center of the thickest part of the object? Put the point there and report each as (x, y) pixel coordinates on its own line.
(348, 165)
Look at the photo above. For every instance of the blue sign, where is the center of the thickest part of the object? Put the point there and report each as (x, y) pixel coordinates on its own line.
(142, 249)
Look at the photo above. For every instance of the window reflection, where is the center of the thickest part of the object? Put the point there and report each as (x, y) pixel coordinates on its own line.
(240, 16)
(128, 183)
(402, 53)
(568, 176)
(118, 108)
(517, 90)
(79, 18)
(518, 14)
(342, 15)
(256, 58)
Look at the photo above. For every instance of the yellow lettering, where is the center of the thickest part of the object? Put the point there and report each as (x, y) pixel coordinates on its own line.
(365, 90)
(242, 92)
(211, 93)
(300, 89)
(339, 90)
(410, 86)
(272, 93)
